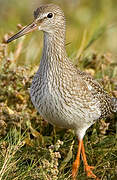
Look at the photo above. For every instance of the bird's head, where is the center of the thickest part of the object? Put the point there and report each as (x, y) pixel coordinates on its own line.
(48, 18)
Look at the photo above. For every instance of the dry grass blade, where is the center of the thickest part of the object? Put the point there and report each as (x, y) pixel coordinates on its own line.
(97, 34)
(9, 154)
(68, 157)
(80, 51)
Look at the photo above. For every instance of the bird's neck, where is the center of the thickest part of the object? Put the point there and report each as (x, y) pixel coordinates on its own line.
(54, 47)
(54, 55)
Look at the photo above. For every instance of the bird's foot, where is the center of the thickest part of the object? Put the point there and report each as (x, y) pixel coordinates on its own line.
(75, 169)
(89, 172)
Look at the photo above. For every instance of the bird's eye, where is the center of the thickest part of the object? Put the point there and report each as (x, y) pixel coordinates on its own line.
(50, 15)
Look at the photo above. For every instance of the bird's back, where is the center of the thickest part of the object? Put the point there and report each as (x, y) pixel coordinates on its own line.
(108, 104)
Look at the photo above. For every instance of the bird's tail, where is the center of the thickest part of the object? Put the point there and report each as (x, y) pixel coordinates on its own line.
(114, 101)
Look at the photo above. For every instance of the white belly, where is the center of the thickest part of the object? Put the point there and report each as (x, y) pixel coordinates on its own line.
(53, 108)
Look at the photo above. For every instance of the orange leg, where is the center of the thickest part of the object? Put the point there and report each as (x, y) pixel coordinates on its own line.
(88, 168)
(76, 162)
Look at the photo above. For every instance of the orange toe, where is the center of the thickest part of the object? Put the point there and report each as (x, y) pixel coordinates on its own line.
(89, 172)
(90, 167)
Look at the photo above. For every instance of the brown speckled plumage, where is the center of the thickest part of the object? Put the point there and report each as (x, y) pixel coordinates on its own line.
(63, 95)
(108, 105)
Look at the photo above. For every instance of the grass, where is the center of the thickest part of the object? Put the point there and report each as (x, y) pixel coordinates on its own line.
(30, 148)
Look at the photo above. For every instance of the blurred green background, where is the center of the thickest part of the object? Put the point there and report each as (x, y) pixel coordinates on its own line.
(89, 18)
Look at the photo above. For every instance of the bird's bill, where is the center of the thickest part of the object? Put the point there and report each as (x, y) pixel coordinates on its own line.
(29, 28)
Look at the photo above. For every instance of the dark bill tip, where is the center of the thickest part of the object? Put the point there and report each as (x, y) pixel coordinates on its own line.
(11, 39)
(16, 36)
(29, 28)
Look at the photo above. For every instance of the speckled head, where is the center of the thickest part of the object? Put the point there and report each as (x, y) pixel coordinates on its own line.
(48, 18)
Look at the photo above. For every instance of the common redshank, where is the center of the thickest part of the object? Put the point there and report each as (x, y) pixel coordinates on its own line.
(62, 94)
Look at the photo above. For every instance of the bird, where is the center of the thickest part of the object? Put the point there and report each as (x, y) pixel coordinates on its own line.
(64, 95)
